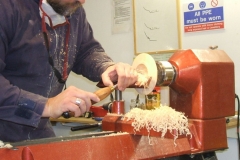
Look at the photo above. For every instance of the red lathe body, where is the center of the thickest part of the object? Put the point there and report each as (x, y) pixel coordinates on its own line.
(202, 88)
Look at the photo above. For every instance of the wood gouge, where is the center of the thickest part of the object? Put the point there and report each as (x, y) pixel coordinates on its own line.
(101, 93)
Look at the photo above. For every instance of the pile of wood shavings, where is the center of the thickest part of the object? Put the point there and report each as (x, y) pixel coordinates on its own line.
(161, 119)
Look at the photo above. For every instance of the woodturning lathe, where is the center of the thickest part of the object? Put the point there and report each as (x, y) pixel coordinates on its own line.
(201, 85)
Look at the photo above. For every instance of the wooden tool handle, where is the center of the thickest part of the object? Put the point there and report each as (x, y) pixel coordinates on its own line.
(101, 93)
(104, 92)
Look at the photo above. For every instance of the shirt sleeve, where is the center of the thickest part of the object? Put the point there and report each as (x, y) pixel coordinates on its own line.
(16, 105)
(91, 60)
(19, 106)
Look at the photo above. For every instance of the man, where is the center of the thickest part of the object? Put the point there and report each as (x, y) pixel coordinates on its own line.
(41, 41)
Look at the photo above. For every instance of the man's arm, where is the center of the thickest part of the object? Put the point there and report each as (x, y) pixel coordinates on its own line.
(16, 105)
(91, 60)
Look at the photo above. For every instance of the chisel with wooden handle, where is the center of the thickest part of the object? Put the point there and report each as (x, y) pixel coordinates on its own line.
(101, 93)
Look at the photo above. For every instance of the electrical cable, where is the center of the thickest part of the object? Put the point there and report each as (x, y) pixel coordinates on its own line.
(236, 96)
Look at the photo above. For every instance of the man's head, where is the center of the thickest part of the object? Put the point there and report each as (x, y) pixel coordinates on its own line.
(65, 7)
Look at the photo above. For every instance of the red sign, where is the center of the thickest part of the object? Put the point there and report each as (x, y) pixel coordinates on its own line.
(203, 27)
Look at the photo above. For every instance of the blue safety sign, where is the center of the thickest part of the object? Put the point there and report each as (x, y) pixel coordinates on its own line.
(203, 15)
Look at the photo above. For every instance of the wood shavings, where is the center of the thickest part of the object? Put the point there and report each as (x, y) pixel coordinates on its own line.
(113, 134)
(143, 79)
(117, 134)
(161, 119)
(2, 145)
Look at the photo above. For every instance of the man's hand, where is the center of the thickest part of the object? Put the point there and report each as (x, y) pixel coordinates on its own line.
(124, 74)
(68, 100)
